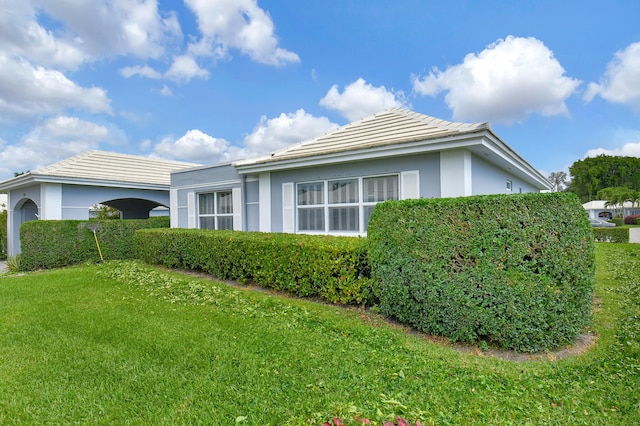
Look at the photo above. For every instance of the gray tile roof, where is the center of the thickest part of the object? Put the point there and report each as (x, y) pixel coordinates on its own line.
(393, 126)
(96, 167)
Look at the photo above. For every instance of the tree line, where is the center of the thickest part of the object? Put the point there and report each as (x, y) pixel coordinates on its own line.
(605, 177)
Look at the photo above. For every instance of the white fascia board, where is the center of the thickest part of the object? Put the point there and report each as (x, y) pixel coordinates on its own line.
(209, 185)
(103, 183)
(17, 182)
(409, 148)
(526, 170)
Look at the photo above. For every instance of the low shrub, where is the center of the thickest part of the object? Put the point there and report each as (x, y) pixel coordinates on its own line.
(611, 235)
(617, 220)
(333, 268)
(55, 243)
(632, 219)
(515, 270)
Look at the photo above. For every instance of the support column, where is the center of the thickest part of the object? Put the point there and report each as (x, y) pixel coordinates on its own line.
(455, 173)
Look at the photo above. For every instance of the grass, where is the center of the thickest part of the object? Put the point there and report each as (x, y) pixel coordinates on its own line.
(124, 343)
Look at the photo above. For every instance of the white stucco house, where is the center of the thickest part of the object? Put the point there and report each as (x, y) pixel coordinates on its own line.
(598, 209)
(331, 183)
(70, 188)
(325, 185)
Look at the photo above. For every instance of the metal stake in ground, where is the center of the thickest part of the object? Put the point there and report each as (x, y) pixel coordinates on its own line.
(94, 228)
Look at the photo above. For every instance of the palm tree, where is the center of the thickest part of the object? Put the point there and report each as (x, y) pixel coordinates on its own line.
(557, 180)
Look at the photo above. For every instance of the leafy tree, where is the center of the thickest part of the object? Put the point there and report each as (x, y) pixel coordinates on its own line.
(590, 175)
(558, 180)
(106, 212)
(615, 197)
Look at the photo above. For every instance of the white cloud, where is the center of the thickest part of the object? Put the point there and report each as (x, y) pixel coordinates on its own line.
(53, 140)
(626, 140)
(21, 35)
(360, 99)
(115, 27)
(627, 150)
(238, 24)
(143, 71)
(268, 135)
(184, 68)
(165, 91)
(27, 90)
(286, 129)
(621, 82)
(506, 82)
(195, 146)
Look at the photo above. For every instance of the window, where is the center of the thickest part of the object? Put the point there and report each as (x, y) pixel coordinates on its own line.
(509, 185)
(310, 206)
(215, 210)
(342, 206)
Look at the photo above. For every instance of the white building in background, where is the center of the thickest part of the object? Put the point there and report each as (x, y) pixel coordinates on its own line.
(3, 202)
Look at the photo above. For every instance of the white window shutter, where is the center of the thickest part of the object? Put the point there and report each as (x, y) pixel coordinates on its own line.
(236, 197)
(191, 210)
(410, 185)
(288, 208)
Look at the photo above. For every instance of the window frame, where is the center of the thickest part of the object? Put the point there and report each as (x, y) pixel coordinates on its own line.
(217, 206)
(358, 207)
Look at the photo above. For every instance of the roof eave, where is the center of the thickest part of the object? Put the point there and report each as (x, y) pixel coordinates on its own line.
(480, 138)
(392, 150)
(29, 179)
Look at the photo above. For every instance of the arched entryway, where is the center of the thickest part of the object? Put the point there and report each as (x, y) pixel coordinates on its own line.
(133, 208)
(23, 211)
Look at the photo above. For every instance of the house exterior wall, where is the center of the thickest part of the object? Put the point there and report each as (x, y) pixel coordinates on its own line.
(18, 215)
(78, 199)
(187, 184)
(428, 166)
(55, 201)
(488, 178)
(267, 199)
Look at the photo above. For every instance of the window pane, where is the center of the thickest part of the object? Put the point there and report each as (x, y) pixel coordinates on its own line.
(367, 215)
(343, 191)
(208, 222)
(378, 189)
(205, 203)
(311, 219)
(310, 193)
(225, 222)
(343, 219)
(225, 202)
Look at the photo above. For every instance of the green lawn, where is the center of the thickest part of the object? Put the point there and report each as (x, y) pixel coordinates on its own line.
(123, 343)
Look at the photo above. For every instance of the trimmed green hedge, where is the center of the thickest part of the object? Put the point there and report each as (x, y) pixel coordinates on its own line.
(516, 270)
(3, 235)
(333, 268)
(54, 243)
(611, 235)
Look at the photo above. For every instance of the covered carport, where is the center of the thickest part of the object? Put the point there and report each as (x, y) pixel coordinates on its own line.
(69, 189)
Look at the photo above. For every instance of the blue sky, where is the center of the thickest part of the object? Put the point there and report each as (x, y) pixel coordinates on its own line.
(215, 80)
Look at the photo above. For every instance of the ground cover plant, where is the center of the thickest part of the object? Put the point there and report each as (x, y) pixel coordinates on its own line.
(125, 343)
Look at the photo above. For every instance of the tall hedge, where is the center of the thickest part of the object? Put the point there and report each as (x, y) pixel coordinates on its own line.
(54, 243)
(516, 270)
(333, 268)
(3, 234)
